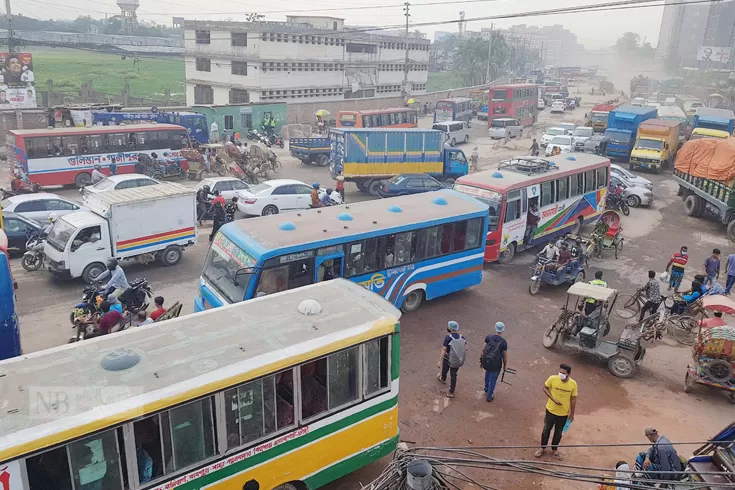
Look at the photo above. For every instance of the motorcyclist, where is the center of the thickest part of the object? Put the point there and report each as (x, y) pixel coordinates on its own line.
(326, 198)
(202, 199)
(97, 175)
(315, 201)
(118, 283)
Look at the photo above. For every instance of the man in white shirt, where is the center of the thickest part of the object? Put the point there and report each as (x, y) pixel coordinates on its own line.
(214, 132)
(97, 175)
(550, 251)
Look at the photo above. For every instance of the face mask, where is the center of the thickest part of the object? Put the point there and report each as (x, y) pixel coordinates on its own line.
(684, 253)
(563, 376)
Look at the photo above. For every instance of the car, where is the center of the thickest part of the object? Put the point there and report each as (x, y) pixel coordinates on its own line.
(40, 205)
(581, 134)
(454, 131)
(274, 196)
(569, 127)
(228, 187)
(551, 133)
(634, 195)
(593, 143)
(117, 182)
(498, 128)
(541, 105)
(565, 144)
(630, 177)
(405, 184)
(18, 228)
(558, 106)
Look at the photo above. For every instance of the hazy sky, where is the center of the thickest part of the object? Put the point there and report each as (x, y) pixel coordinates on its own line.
(594, 29)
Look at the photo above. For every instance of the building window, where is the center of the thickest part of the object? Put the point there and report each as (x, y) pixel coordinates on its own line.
(362, 48)
(238, 96)
(239, 68)
(239, 39)
(204, 64)
(202, 37)
(229, 122)
(203, 94)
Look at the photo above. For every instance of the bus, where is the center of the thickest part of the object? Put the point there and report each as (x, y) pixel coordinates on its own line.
(292, 391)
(399, 117)
(518, 101)
(568, 189)
(195, 124)
(407, 249)
(66, 156)
(456, 109)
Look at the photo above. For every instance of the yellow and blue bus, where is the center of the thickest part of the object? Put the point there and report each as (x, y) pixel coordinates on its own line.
(293, 391)
(407, 249)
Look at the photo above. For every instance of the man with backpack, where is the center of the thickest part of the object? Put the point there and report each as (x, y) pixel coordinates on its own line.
(454, 351)
(494, 358)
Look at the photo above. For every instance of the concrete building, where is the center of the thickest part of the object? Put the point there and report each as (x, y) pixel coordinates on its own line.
(555, 43)
(305, 59)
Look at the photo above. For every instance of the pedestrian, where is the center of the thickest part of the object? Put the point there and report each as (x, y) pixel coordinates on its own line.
(712, 268)
(340, 186)
(532, 219)
(474, 158)
(730, 273)
(677, 263)
(534, 148)
(113, 168)
(453, 353)
(561, 391)
(660, 457)
(653, 295)
(219, 217)
(214, 132)
(507, 137)
(494, 358)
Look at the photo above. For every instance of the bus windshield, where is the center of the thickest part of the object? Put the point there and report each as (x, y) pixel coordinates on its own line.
(228, 269)
(60, 234)
(347, 119)
(444, 106)
(491, 198)
(648, 144)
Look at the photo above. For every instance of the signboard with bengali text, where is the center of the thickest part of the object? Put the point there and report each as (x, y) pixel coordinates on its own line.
(17, 87)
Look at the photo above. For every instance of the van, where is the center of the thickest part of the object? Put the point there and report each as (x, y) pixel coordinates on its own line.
(498, 128)
(454, 131)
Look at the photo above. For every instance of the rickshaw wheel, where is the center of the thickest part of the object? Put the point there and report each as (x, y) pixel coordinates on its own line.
(684, 329)
(619, 247)
(627, 306)
(535, 285)
(688, 383)
(551, 335)
(157, 176)
(622, 366)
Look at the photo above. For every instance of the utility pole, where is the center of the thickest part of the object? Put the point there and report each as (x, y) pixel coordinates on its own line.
(489, 55)
(9, 18)
(405, 67)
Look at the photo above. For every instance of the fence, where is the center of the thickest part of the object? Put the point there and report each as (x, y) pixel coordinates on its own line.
(88, 95)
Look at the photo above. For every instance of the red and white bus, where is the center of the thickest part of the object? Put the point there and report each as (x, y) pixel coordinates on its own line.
(519, 101)
(65, 156)
(568, 189)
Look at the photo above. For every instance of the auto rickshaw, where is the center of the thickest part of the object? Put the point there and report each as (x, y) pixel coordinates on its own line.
(585, 332)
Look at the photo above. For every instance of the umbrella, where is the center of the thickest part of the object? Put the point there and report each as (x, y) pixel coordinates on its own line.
(411, 101)
(322, 113)
(719, 303)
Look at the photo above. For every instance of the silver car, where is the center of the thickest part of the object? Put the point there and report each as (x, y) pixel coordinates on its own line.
(634, 195)
(498, 128)
(581, 134)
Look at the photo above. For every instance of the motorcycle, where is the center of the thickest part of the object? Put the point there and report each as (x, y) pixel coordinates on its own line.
(616, 202)
(275, 140)
(33, 256)
(134, 299)
(17, 187)
(252, 134)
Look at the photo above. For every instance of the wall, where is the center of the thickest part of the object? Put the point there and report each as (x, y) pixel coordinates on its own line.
(218, 113)
(22, 119)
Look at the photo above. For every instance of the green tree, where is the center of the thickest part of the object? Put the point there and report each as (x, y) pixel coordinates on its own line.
(629, 42)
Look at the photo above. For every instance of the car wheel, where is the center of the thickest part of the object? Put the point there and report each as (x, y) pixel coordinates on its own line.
(92, 271)
(270, 209)
(633, 201)
(171, 255)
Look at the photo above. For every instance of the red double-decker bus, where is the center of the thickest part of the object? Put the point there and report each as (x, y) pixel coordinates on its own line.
(519, 101)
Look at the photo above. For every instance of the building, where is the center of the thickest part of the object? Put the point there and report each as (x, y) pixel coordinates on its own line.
(238, 118)
(555, 43)
(305, 59)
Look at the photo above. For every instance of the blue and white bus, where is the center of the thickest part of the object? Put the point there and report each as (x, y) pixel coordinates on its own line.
(407, 249)
(456, 109)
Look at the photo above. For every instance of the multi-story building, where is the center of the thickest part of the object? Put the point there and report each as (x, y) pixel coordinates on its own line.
(301, 60)
(554, 43)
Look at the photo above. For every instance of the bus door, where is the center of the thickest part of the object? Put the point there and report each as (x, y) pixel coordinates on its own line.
(514, 220)
(329, 263)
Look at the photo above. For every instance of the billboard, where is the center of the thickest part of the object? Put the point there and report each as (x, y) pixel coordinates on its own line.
(17, 87)
(716, 54)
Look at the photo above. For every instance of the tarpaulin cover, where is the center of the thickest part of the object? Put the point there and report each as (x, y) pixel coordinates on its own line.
(710, 158)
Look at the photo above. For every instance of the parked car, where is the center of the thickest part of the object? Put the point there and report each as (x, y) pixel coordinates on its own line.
(593, 143)
(558, 106)
(498, 128)
(274, 196)
(634, 195)
(541, 105)
(18, 228)
(565, 144)
(550, 134)
(581, 134)
(569, 127)
(228, 187)
(405, 184)
(39, 206)
(454, 131)
(117, 182)
(630, 177)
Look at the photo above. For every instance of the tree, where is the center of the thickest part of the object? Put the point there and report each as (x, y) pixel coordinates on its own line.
(629, 42)
(254, 17)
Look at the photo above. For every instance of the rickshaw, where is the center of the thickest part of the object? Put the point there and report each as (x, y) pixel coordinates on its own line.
(585, 333)
(219, 157)
(544, 271)
(709, 461)
(713, 353)
(607, 234)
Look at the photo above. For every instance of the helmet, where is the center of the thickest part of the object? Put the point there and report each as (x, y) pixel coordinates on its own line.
(52, 217)
(329, 191)
(165, 153)
(234, 198)
(112, 264)
(97, 166)
(315, 185)
(205, 188)
(216, 192)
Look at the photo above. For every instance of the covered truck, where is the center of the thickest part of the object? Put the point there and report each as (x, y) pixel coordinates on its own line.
(622, 128)
(368, 156)
(141, 223)
(656, 144)
(310, 150)
(705, 170)
(598, 117)
(718, 119)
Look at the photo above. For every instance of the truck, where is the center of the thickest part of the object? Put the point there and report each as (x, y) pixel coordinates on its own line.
(482, 113)
(368, 156)
(598, 117)
(640, 86)
(622, 128)
(311, 150)
(656, 144)
(709, 118)
(144, 224)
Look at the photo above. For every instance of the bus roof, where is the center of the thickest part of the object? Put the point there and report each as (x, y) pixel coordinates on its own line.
(455, 99)
(378, 111)
(515, 85)
(179, 359)
(505, 180)
(93, 129)
(276, 232)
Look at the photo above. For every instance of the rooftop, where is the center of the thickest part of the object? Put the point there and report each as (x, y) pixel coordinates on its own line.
(92, 130)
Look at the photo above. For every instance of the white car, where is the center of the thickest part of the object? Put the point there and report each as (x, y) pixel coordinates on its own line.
(498, 128)
(558, 106)
(630, 177)
(634, 195)
(274, 196)
(565, 144)
(551, 133)
(541, 105)
(40, 205)
(117, 182)
(581, 134)
(568, 127)
(228, 187)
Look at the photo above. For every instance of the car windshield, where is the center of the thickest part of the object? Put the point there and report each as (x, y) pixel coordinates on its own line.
(648, 144)
(440, 127)
(60, 234)
(555, 131)
(257, 189)
(104, 185)
(561, 140)
(618, 136)
(491, 198)
(583, 132)
(496, 123)
(226, 263)
(397, 179)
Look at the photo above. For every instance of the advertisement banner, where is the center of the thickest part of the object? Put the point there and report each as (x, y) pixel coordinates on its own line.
(717, 54)
(17, 84)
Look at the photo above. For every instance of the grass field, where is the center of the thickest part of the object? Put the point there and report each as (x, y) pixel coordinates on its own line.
(444, 80)
(69, 68)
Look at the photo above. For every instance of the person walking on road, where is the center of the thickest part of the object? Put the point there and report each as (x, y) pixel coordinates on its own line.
(677, 263)
(712, 268)
(534, 148)
(561, 391)
(494, 358)
(730, 274)
(453, 353)
(474, 158)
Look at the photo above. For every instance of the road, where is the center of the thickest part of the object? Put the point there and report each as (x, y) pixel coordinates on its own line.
(609, 410)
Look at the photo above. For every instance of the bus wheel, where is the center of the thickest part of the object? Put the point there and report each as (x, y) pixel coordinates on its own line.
(507, 256)
(286, 486)
(412, 301)
(82, 179)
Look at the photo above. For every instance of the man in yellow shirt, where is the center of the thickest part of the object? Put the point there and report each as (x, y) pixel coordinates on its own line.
(561, 391)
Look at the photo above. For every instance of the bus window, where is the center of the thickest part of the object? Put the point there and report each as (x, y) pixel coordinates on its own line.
(601, 178)
(148, 449)
(314, 388)
(367, 121)
(342, 378)
(385, 119)
(445, 235)
(460, 236)
(405, 247)
(501, 94)
(589, 181)
(414, 118)
(577, 185)
(95, 143)
(513, 210)
(192, 433)
(250, 411)
(354, 259)
(376, 364)
(373, 253)
(562, 188)
(474, 233)
(95, 462)
(547, 193)
(31, 147)
(49, 470)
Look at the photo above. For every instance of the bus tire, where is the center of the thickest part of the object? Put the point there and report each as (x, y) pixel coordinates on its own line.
(373, 187)
(171, 255)
(82, 179)
(92, 271)
(361, 185)
(693, 205)
(507, 256)
(412, 301)
(291, 486)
